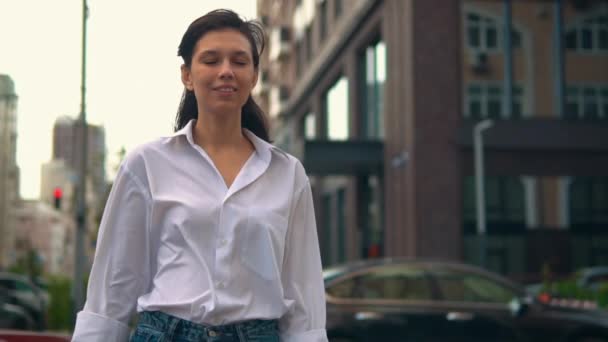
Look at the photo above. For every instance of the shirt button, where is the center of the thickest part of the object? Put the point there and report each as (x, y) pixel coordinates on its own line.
(212, 333)
(220, 285)
(223, 242)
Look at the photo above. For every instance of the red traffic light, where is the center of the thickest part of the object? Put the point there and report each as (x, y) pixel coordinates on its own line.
(58, 193)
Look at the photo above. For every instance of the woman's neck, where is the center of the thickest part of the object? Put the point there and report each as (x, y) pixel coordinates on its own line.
(213, 132)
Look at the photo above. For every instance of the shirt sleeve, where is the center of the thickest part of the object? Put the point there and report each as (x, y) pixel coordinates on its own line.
(302, 275)
(120, 271)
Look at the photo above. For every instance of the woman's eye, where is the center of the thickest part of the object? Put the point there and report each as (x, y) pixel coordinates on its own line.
(241, 62)
(209, 61)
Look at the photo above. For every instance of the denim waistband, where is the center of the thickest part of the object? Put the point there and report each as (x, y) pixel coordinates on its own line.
(175, 326)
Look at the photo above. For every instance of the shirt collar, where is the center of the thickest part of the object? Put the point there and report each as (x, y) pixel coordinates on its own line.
(262, 148)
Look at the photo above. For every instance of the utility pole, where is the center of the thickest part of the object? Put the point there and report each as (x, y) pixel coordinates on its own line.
(81, 217)
(480, 186)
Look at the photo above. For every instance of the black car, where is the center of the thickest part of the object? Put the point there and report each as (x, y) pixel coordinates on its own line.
(424, 301)
(13, 316)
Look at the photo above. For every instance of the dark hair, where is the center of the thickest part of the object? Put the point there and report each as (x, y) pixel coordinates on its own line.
(252, 116)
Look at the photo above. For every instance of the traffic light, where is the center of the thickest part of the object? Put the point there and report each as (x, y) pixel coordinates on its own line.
(57, 195)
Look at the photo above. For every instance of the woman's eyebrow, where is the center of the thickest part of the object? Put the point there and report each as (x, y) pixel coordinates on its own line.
(237, 53)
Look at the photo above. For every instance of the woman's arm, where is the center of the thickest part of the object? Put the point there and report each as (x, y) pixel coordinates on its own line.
(120, 272)
(302, 275)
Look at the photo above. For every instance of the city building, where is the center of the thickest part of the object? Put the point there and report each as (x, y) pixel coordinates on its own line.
(9, 171)
(67, 140)
(48, 233)
(379, 100)
(60, 176)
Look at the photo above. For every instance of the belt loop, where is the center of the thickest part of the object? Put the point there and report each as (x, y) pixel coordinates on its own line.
(240, 333)
(172, 327)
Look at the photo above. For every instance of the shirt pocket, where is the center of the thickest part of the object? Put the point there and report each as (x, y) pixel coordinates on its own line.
(263, 243)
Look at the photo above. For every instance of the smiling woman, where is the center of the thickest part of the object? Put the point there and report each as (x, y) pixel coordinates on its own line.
(209, 233)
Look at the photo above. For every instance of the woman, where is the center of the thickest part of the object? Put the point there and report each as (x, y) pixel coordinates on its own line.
(209, 233)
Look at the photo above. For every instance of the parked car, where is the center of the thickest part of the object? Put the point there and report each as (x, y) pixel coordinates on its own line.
(430, 301)
(590, 279)
(13, 316)
(22, 292)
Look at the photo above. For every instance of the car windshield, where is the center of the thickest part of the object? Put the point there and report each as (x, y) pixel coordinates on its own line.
(470, 287)
(392, 282)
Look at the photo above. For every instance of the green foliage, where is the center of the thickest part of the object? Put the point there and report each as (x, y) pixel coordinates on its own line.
(60, 307)
(29, 264)
(570, 289)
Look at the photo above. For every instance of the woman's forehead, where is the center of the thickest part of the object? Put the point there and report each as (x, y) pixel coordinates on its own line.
(224, 41)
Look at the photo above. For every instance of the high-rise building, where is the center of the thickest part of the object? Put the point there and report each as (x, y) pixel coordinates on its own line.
(9, 172)
(67, 140)
(379, 98)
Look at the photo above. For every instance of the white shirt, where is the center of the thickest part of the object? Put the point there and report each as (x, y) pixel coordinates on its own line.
(176, 239)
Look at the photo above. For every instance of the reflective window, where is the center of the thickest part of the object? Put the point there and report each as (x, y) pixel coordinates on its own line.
(309, 126)
(484, 33)
(388, 282)
(485, 100)
(336, 110)
(588, 201)
(505, 202)
(587, 102)
(589, 34)
(465, 287)
(373, 70)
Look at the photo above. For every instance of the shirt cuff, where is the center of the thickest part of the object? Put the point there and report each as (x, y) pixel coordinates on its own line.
(318, 335)
(91, 327)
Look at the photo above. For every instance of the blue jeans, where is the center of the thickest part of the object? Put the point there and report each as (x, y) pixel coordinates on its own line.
(157, 326)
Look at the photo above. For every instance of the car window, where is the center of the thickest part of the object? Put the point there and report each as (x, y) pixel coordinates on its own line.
(598, 279)
(15, 284)
(467, 287)
(7, 284)
(387, 282)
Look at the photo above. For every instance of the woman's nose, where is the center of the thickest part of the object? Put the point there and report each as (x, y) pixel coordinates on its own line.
(226, 70)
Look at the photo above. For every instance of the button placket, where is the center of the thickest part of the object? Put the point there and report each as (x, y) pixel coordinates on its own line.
(222, 252)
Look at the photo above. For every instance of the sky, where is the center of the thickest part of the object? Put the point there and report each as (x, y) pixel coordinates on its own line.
(133, 79)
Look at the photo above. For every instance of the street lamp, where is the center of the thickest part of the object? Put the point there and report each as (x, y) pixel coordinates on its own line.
(78, 291)
(479, 186)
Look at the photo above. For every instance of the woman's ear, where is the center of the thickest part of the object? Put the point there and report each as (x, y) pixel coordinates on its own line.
(186, 79)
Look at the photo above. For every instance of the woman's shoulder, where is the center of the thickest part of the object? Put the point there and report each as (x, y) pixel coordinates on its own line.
(289, 164)
(137, 158)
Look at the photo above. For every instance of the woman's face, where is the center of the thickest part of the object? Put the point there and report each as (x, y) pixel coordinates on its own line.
(222, 73)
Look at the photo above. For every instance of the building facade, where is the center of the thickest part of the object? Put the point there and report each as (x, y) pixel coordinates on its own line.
(9, 171)
(48, 233)
(67, 140)
(380, 99)
(63, 171)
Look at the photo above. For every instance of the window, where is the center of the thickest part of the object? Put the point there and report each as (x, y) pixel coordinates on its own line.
(336, 110)
(373, 72)
(341, 223)
(588, 202)
(464, 287)
(589, 34)
(309, 126)
(300, 58)
(485, 34)
(587, 102)
(337, 8)
(308, 42)
(505, 204)
(485, 100)
(400, 282)
(323, 20)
